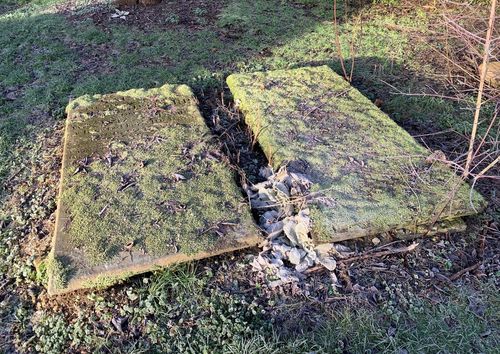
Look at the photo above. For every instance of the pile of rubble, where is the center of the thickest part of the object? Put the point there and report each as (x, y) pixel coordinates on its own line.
(282, 205)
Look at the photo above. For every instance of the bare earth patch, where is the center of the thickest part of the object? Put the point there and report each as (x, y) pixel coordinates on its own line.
(167, 14)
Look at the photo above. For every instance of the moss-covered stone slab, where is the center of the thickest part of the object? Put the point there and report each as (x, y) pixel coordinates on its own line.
(143, 186)
(369, 175)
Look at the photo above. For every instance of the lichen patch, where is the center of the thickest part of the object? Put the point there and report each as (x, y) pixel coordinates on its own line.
(143, 185)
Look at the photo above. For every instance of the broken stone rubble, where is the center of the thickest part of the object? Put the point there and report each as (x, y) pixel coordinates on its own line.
(282, 202)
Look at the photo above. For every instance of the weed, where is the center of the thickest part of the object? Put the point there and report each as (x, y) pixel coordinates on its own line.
(387, 2)
(199, 11)
(52, 334)
(172, 19)
(199, 14)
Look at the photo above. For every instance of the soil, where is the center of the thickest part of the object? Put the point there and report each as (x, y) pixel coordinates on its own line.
(166, 14)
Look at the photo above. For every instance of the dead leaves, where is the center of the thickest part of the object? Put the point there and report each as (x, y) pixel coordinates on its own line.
(82, 165)
(220, 228)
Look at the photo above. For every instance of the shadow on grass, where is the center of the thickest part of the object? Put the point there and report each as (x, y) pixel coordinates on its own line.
(49, 58)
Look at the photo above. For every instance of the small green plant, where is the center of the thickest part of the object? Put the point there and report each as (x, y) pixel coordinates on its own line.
(58, 271)
(52, 334)
(186, 316)
(172, 19)
(387, 2)
(41, 273)
(200, 13)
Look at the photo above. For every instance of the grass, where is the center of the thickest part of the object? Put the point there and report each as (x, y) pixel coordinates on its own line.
(183, 315)
(48, 59)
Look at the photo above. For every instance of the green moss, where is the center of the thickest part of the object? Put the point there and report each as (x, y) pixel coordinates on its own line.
(373, 173)
(42, 272)
(58, 271)
(105, 281)
(142, 180)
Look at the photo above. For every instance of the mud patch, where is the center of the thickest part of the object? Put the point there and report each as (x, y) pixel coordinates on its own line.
(193, 14)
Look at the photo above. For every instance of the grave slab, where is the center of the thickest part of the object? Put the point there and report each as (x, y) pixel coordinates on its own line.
(369, 175)
(143, 186)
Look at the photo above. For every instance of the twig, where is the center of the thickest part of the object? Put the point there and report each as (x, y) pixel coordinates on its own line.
(337, 40)
(126, 186)
(481, 175)
(487, 168)
(470, 154)
(14, 175)
(380, 254)
(450, 130)
(488, 129)
(437, 95)
(463, 271)
(103, 210)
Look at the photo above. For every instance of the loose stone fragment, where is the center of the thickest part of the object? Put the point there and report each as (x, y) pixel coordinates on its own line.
(141, 187)
(328, 262)
(324, 249)
(294, 256)
(366, 174)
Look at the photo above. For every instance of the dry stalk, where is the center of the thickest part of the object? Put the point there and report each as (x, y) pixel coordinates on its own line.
(338, 46)
(337, 40)
(467, 40)
(388, 252)
(486, 57)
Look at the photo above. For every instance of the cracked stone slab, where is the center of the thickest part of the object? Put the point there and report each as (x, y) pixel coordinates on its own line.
(143, 186)
(369, 175)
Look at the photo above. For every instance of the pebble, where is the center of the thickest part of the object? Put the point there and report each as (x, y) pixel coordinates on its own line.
(294, 256)
(288, 229)
(328, 262)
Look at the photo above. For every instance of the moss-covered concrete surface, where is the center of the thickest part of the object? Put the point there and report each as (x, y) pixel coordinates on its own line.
(142, 186)
(369, 175)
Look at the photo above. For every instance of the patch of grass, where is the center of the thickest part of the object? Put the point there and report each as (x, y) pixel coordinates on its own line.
(59, 271)
(178, 311)
(26, 2)
(35, 68)
(48, 60)
(182, 312)
(441, 112)
(454, 326)
(387, 2)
